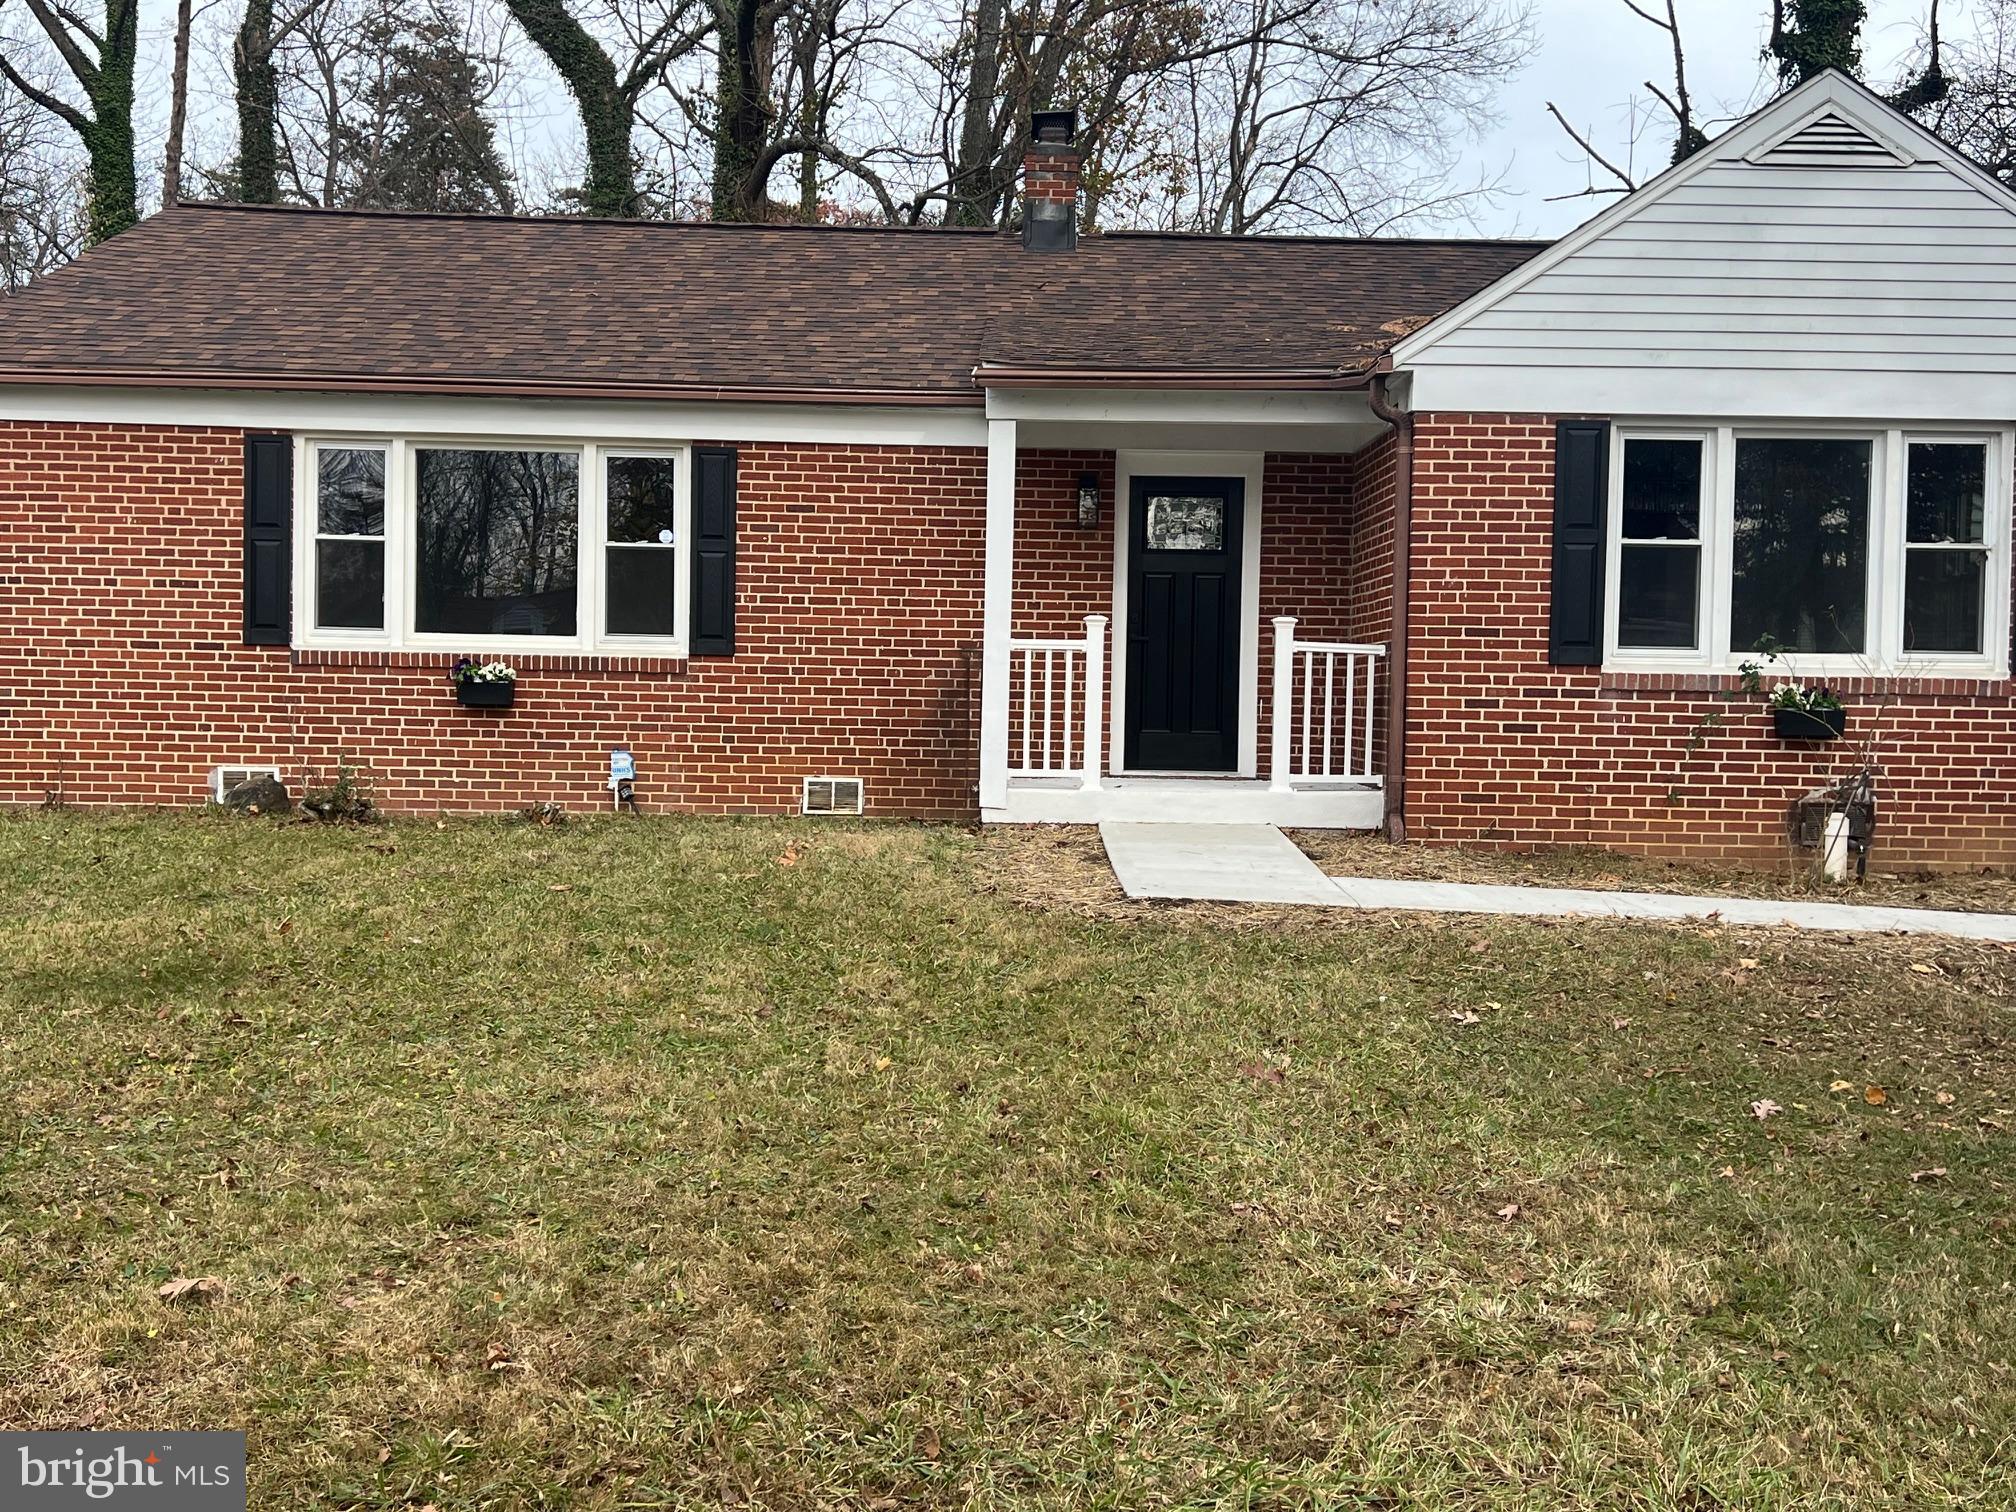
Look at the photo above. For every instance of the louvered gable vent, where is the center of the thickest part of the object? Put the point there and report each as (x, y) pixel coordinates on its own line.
(1829, 141)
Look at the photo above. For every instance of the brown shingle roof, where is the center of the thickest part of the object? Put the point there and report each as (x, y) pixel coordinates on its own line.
(259, 296)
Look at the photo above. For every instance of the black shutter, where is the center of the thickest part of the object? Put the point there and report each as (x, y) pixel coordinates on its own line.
(269, 543)
(1581, 492)
(713, 551)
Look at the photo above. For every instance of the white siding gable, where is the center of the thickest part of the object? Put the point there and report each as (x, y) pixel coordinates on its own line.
(1824, 259)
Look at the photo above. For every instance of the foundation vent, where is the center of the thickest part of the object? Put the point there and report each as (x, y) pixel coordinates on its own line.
(832, 795)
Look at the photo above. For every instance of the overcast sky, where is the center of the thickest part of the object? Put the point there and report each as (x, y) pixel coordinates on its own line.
(1591, 57)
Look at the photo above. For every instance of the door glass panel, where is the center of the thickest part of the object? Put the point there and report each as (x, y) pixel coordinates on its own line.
(1180, 522)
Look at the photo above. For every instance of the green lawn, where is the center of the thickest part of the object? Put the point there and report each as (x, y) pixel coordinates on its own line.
(704, 1163)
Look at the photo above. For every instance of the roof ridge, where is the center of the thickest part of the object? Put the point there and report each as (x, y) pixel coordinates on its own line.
(1312, 238)
(370, 213)
(1305, 238)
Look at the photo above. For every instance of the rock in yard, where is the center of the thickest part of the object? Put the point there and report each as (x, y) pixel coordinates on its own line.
(262, 794)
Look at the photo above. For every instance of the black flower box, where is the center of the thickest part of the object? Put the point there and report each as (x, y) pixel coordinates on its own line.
(1805, 724)
(486, 695)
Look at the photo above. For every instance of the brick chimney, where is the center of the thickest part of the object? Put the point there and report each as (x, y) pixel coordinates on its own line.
(1050, 171)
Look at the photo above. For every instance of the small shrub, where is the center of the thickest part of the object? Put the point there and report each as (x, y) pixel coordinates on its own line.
(347, 800)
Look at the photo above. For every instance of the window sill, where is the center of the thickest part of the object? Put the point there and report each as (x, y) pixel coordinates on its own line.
(537, 661)
(1976, 684)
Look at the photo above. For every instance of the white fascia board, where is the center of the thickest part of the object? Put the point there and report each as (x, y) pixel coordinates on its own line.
(1180, 406)
(1828, 91)
(1769, 395)
(640, 421)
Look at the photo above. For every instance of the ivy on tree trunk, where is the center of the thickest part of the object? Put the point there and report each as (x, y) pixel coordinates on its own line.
(258, 88)
(741, 124)
(607, 110)
(102, 64)
(1809, 37)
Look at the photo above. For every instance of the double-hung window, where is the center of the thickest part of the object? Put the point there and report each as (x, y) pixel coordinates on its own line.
(1846, 550)
(483, 545)
(350, 537)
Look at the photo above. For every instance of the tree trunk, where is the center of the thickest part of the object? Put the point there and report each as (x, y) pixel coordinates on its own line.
(178, 110)
(606, 112)
(108, 138)
(741, 125)
(258, 87)
(811, 126)
(975, 193)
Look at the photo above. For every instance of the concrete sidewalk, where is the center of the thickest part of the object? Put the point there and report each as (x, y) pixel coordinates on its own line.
(1256, 863)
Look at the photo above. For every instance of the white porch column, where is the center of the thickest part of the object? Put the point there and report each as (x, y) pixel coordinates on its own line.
(997, 611)
(1095, 702)
(1284, 699)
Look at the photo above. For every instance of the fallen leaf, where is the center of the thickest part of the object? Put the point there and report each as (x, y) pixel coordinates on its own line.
(1508, 1212)
(883, 1063)
(1875, 1096)
(1727, 1173)
(1620, 1023)
(1749, 963)
(1764, 1108)
(1933, 1173)
(1924, 968)
(975, 1274)
(196, 1288)
(1463, 1016)
(929, 1445)
(1944, 1099)
(1260, 1071)
(559, 887)
(1837, 1085)
(790, 855)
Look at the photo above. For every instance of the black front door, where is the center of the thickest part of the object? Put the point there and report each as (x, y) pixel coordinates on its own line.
(1183, 544)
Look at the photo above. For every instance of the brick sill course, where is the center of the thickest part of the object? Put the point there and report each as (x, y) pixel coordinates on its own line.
(441, 661)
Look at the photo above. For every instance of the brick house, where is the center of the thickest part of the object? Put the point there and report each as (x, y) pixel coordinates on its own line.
(1468, 539)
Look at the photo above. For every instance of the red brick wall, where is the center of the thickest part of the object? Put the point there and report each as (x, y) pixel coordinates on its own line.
(1503, 748)
(122, 676)
(1306, 566)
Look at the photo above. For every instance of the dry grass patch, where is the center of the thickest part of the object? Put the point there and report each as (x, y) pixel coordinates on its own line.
(797, 1165)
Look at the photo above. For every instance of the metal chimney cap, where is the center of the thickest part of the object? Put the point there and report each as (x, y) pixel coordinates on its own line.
(1054, 128)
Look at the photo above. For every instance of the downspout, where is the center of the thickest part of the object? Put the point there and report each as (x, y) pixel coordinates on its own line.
(1402, 422)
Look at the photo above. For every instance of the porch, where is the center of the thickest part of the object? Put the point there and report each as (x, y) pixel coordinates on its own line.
(1184, 634)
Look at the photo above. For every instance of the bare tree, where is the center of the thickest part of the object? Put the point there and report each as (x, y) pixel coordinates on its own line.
(1975, 108)
(1677, 103)
(42, 197)
(99, 59)
(1330, 115)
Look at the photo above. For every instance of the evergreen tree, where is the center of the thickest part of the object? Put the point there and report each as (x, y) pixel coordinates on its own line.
(428, 142)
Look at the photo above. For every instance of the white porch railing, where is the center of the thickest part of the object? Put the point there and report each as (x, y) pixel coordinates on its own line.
(1323, 709)
(1056, 706)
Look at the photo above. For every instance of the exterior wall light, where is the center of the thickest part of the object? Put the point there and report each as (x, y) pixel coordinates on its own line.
(1088, 501)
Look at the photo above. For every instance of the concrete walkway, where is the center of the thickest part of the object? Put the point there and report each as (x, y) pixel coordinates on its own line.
(1256, 863)
(1220, 863)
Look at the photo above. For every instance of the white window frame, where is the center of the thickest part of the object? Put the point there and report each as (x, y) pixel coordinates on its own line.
(1885, 589)
(681, 546)
(1613, 565)
(401, 535)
